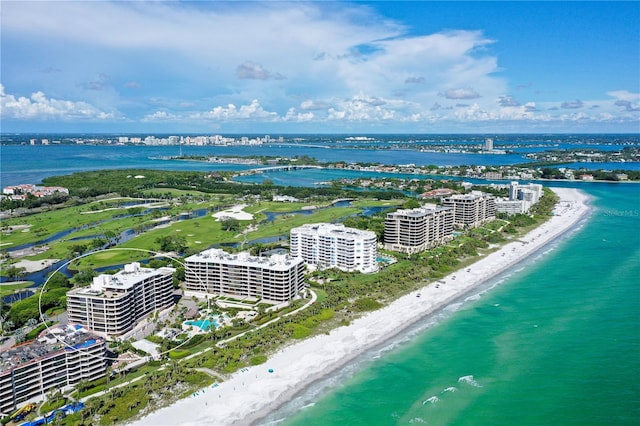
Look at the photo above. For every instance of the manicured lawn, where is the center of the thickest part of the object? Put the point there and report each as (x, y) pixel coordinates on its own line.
(203, 232)
(8, 289)
(377, 203)
(283, 224)
(43, 225)
(177, 192)
(71, 217)
(46, 224)
(272, 206)
(200, 233)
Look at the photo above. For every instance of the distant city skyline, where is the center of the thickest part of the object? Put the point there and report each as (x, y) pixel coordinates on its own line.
(320, 67)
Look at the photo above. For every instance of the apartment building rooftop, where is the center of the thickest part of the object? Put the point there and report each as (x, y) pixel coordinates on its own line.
(419, 211)
(113, 286)
(276, 261)
(55, 339)
(332, 229)
(473, 195)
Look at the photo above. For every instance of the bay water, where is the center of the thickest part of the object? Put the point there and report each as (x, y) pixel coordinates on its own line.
(31, 163)
(555, 342)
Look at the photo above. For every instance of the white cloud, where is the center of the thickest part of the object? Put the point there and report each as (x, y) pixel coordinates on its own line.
(294, 116)
(39, 107)
(213, 31)
(361, 51)
(370, 108)
(305, 62)
(161, 116)
(314, 105)
(624, 95)
(626, 100)
(627, 105)
(572, 104)
(507, 101)
(460, 94)
(231, 113)
(252, 71)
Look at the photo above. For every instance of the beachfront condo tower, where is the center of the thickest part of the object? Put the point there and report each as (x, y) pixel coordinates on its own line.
(471, 210)
(327, 245)
(521, 198)
(113, 304)
(415, 230)
(59, 358)
(275, 279)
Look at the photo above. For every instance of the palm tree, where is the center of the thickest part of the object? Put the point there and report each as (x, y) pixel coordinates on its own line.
(20, 335)
(108, 371)
(8, 325)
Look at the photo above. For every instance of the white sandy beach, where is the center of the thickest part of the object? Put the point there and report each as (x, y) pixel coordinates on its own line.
(254, 392)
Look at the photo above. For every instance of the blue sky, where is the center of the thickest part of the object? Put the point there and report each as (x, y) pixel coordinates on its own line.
(320, 67)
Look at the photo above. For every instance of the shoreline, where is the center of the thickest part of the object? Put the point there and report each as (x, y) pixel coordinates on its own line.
(253, 393)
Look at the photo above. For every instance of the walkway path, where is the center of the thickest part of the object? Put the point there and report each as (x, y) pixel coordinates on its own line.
(211, 373)
(208, 371)
(314, 297)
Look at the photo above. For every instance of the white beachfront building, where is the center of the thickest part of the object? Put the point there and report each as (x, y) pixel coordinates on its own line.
(521, 198)
(60, 358)
(415, 230)
(471, 210)
(113, 304)
(275, 279)
(327, 245)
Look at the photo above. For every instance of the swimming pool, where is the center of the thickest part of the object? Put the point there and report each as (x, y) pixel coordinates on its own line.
(205, 324)
(386, 259)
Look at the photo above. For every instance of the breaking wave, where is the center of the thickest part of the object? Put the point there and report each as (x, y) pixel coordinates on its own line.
(469, 381)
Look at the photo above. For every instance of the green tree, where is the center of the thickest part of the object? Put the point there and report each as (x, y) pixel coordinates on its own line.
(14, 272)
(76, 250)
(230, 224)
(97, 243)
(84, 276)
(20, 335)
(172, 243)
(58, 280)
(411, 204)
(179, 274)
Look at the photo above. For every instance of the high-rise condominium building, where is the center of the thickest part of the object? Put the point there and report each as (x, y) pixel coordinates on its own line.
(521, 198)
(113, 304)
(415, 230)
(326, 245)
(59, 358)
(488, 144)
(278, 278)
(471, 210)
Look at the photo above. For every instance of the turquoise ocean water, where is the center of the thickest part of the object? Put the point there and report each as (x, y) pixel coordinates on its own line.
(556, 342)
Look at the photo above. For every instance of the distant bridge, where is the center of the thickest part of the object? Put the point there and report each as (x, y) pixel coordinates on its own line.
(280, 168)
